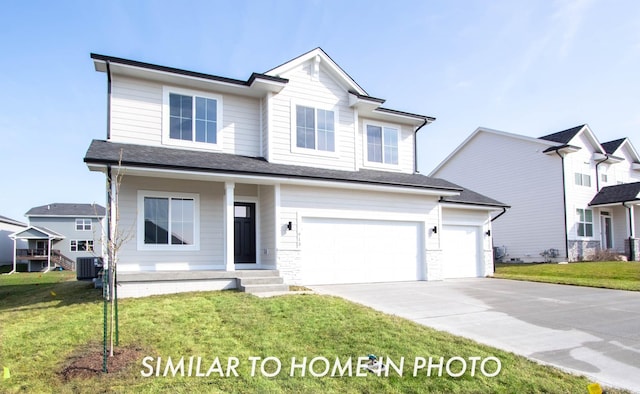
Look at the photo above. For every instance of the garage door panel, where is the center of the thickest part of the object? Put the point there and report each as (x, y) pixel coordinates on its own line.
(461, 251)
(358, 251)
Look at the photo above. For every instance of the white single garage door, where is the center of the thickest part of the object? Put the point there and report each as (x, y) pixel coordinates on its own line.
(461, 251)
(360, 251)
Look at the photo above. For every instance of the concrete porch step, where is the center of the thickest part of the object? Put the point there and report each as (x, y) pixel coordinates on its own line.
(267, 280)
(263, 288)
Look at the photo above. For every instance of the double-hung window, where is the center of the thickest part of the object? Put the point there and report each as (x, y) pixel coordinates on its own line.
(168, 220)
(382, 144)
(315, 128)
(83, 224)
(585, 222)
(192, 118)
(583, 179)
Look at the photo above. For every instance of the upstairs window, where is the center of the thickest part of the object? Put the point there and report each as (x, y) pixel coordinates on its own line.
(583, 179)
(585, 222)
(83, 224)
(193, 118)
(382, 144)
(315, 129)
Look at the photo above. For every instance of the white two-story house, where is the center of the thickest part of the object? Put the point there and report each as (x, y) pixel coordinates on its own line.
(570, 195)
(296, 170)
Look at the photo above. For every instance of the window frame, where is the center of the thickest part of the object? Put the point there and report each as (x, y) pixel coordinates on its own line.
(580, 177)
(140, 233)
(89, 248)
(294, 128)
(166, 118)
(83, 225)
(584, 224)
(365, 148)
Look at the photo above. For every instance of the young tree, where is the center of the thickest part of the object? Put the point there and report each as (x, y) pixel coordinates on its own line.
(115, 239)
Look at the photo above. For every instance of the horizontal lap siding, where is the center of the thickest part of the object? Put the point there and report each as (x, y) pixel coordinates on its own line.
(136, 111)
(406, 152)
(211, 223)
(517, 173)
(298, 201)
(323, 92)
(136, 117)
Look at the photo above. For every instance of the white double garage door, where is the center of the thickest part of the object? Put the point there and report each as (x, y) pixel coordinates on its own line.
(361, 251)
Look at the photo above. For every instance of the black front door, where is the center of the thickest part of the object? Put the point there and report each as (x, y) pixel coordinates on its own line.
(245, 232)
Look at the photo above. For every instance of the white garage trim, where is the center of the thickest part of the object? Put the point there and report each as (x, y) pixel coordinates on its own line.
(345, 250)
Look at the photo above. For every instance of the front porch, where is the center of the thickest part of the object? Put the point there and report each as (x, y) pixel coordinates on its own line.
(616, 214)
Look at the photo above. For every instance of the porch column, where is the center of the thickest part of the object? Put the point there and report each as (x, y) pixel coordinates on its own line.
(48, 255)
(15, 252)
(229, 226)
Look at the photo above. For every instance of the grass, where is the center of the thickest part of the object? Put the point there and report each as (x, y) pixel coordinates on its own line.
(621, 275)
(45, 318)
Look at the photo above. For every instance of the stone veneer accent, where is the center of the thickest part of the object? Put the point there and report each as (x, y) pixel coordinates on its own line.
(582, 250)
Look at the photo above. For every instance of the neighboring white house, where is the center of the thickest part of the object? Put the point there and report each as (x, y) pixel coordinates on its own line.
(297, 170)
(59, 235)
(570, 195)
(7, 227)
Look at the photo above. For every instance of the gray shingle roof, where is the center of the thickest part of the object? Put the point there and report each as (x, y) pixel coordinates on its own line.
(5, 219)
(611, 146)
(103, 152)
(617, 194)
(563, 136)
(65, 209)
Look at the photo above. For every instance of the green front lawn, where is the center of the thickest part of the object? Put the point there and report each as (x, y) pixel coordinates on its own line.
(620, 275)
(46, 318)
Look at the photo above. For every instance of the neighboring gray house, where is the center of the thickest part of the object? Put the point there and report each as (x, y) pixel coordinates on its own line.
(60, 234)
(7, 227)
(570, 194)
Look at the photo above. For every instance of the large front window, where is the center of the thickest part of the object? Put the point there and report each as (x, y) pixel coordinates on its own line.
(585, 222)
(167, 220)
(315, 128)
(193, 118)
(382, 144)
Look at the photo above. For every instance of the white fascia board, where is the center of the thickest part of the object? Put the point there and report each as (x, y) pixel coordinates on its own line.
(592, 138)
(326, 59)
(281, 180)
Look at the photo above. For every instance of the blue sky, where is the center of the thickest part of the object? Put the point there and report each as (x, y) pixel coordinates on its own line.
(528, 67)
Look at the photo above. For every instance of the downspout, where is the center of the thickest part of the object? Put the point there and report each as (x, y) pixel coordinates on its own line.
(564, 207)
(415, 146)
(504, 210)
(108, 100)
(632, 251)
(606, 157)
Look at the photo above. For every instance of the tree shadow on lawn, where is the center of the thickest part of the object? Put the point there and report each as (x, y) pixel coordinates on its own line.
(32, 296)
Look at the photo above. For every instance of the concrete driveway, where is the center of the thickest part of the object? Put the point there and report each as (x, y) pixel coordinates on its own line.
(593, 332)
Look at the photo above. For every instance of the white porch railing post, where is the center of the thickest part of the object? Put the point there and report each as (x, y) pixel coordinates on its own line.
(229, 226)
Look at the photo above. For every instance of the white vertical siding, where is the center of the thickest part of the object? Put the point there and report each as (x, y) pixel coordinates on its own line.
(136, 117)
(517, 173)
(211, 253)
(324, 92)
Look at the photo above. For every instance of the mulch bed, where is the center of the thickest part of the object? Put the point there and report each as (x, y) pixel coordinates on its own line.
(88, 363)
